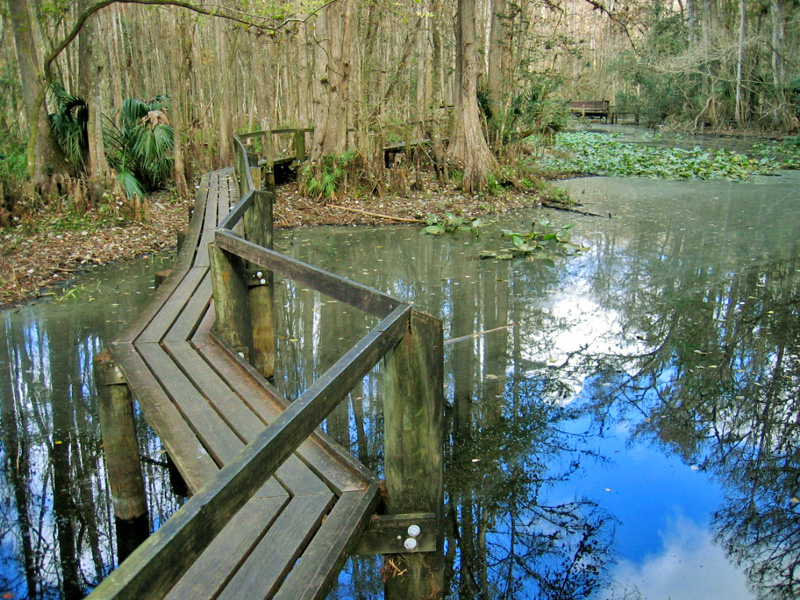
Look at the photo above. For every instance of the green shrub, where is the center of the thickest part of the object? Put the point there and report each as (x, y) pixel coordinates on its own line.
(324, 179)
(139, 144)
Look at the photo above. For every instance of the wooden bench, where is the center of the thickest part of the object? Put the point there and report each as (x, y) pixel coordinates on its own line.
(591, 108)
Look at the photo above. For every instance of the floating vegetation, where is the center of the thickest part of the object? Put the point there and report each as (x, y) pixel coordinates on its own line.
(533, 244)
(602, 154)
(787, 151)
(450, 223)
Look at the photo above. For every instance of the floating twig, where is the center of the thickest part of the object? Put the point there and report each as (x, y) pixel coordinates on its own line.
(378, 215)
(478, 334)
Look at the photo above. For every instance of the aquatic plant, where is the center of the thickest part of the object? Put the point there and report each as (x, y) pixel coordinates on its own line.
(787, 151)
(533, 243)
(601, 154)
(450, 223)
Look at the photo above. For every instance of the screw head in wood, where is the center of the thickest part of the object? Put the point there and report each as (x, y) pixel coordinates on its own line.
(413, 530)
(410, 543)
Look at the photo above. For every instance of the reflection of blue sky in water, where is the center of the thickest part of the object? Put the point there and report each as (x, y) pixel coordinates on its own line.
(687, 566)
(663, 543)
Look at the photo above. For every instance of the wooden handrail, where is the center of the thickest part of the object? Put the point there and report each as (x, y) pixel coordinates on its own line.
(168, 553)
(409, 341)
(357, 295)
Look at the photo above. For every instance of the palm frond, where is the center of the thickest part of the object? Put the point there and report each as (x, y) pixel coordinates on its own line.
(130, 185)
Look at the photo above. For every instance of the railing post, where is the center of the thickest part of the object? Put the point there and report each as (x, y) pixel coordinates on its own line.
(269, 167)
(414, 460)
(299, 146)
(121, 449)
(231, 303)
(258, 229)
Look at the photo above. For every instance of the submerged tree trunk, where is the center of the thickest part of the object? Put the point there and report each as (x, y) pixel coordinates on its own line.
(468, 145)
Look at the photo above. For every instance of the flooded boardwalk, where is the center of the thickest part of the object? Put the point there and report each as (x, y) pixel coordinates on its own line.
(620, 404)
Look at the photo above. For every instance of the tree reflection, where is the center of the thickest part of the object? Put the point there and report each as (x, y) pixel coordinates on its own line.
(718, 385)
(55, 513)
(506, 537)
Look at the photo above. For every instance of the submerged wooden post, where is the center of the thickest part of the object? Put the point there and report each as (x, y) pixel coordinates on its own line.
(258, 229)
(121, 449)
(231, 304)
(414, 460)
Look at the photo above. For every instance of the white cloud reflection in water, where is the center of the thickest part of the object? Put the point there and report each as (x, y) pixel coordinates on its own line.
(689, 566)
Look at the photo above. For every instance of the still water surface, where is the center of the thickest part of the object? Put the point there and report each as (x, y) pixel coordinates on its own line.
(627, 428)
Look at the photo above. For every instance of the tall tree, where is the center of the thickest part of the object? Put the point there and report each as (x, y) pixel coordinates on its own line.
(177, 64)
(334, 37)
(46, 153)
(468, 144)
(91, 71)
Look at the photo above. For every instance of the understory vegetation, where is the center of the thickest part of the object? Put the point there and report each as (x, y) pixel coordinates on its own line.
(487, 82)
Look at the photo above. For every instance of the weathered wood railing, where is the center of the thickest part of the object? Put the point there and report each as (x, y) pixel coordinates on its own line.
(409, 342)
(262, 143)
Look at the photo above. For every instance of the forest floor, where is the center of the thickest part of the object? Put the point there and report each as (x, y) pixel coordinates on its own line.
(40, 260)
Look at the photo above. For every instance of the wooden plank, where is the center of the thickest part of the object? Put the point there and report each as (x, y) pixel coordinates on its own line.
(224, 199)
(413, 412)
(278, 550)
(189, 247)
(203, 331)
(186, 324)
(210, 222)
(293, 474)
(162, 294)
(231, 301)
(195, 464)
(350, 292)
(314, 574)
(387, 534)
(184, 536)
(305, 414)
(330, 461)
(213, 569)
(237, 212)
(258, 229)
(217, 437)
(120, 444)
(413, 445)
(171, 309)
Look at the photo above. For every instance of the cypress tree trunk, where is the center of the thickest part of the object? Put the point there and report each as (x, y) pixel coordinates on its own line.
(333, 62)
(90, 72)
(46, 153)
(468, 145)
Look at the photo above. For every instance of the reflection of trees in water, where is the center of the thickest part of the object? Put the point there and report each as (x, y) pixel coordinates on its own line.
(508, 539)
(55, 514)
(719, 384)
(52, 469)
(512, 539)
(505, 538)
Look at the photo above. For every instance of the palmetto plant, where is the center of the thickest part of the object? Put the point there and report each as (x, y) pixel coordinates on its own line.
(69, 125)
(139, 144)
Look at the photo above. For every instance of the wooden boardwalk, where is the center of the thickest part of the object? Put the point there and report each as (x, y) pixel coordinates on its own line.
(290, 539)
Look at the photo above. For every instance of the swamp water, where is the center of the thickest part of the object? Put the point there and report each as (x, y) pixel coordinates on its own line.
(627, 427)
